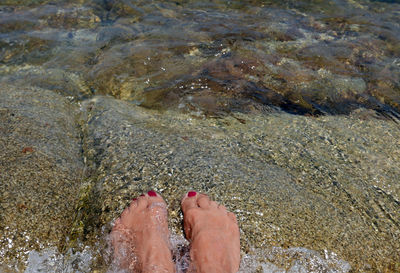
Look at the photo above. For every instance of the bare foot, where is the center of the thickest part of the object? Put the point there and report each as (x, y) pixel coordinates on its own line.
(140, 237)
(213, 233)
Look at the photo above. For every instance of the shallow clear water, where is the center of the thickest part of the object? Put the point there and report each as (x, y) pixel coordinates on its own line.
(305, 260)
(210, 57)
(285, 111)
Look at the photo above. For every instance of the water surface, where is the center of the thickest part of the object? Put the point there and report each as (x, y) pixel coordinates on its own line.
(285, 111)
(210, 57)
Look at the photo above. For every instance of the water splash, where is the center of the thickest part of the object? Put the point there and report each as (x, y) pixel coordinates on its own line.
(272, 260)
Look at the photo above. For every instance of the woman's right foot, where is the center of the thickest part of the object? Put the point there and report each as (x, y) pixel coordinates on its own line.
(140, 237)
(213, 233)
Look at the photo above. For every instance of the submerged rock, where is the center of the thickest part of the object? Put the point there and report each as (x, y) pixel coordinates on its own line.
(308, 192)
(304, 188)
(69, 85)
(40, 171)
(246, 56)
(321, 183)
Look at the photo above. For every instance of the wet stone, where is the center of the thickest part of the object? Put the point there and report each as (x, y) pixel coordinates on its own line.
(40, 171)
(325, 183)
(254, 55)
(70, 85)
(130, 151)
(313, 192)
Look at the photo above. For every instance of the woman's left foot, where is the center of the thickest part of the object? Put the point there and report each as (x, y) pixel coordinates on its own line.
(140, 237)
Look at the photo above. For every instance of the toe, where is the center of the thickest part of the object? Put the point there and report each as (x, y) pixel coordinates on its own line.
(142, 202)
(134, 203)
(203, 201)
(232, 216)
(155, 199)
(124, 214)
(189, 201)
(117, 223)
(222, 208)
(214, 204)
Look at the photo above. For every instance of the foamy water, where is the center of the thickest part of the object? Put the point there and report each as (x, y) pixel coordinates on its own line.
(269, 260)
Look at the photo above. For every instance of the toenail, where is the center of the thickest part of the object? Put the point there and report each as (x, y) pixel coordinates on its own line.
(192, 193)
(142, 195)
(152, 193)
(134, 199)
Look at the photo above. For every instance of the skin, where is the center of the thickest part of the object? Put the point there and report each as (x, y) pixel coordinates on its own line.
(213, 233)
(140, 237)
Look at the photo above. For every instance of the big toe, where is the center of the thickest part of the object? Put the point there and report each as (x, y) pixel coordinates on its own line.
(155, 199)
(151, 200)
(193, 199)
(157, 211)
(189, 201)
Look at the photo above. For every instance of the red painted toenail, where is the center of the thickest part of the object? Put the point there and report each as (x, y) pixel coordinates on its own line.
(134, 199)
(152, 193)
(192, 193)
(142, 195)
